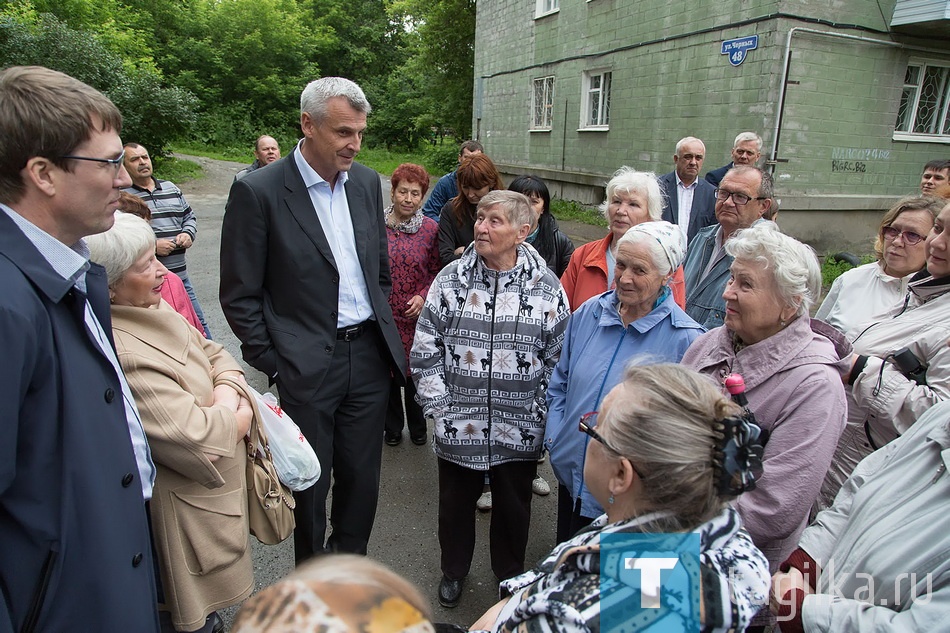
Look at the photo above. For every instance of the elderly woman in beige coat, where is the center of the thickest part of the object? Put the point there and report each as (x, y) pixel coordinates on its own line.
(195, 430)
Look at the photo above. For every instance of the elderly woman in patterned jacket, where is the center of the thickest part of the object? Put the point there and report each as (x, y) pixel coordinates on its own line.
(486, 343)
(658, 462)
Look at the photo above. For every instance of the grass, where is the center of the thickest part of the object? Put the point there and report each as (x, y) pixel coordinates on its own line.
(235, 154)
(576, 212)
(177, 170)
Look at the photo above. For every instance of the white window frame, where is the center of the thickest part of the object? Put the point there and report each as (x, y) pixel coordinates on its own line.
(595, 100)
(909, 126)
(542, 104)
(546, 7)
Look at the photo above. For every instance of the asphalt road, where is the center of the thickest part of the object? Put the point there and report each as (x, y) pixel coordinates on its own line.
(405, 532)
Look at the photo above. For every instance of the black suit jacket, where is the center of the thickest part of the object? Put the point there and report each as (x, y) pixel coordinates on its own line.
(715, 176)
(280, 284)
(703, 213)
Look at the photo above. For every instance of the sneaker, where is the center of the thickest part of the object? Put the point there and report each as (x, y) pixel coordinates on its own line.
(540, 487)
(484, 502)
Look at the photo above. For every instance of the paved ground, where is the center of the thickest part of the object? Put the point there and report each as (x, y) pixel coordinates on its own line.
(404, 536)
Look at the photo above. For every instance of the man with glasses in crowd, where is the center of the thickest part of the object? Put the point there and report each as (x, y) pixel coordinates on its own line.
(173, 220)
(75, 468)
(743, 197)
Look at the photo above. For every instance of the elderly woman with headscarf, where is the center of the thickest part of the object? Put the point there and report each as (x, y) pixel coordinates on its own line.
(866, 291)
(637, 320)
(656, 463)
(195, 426)
(632, 197)
(792, 368)
(486, 343)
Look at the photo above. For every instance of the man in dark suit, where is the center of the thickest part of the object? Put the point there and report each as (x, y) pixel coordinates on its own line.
(689, 201)
(304, 285)
(746, 150)
(75, 469)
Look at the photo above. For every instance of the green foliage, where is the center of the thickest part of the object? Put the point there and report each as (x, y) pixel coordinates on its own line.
(443, 157)
(832, 268)
(153, 114)
(576, 212)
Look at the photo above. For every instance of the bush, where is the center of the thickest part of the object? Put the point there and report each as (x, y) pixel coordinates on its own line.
(152, 114)
(442, 158)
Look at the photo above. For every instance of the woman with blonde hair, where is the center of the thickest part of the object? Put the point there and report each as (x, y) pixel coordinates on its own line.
(657, 462)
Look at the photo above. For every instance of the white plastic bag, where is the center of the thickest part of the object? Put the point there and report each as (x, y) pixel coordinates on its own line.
(296, 462)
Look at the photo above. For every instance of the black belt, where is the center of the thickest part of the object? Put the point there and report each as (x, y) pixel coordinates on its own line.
(352, 332)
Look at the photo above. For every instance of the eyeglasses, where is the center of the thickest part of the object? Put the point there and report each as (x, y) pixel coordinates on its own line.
(909, 237)
(115, 162)
(740, 199)
(586, 425)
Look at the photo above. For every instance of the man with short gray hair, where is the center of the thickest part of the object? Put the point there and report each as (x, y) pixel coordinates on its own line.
(746, 150)
(743, 197)
(689, 201)
(305, 285)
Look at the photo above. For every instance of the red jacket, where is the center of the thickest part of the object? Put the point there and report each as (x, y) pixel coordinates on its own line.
(586, 275)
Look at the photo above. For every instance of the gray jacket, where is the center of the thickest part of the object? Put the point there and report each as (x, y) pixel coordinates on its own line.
(884, 547)
(704, 300)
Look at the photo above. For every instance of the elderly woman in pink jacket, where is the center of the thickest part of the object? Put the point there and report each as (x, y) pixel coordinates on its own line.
(792, 368)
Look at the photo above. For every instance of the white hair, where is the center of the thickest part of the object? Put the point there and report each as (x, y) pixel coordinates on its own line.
(745, 137)
(793, 265)
(688, 139)
(314, 98)
(516, 206)
(120, 247)
(629, 180)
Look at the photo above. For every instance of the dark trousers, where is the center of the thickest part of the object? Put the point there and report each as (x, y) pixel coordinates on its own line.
(344, 424)
(414, 418)
(569, 519)
(459, 490)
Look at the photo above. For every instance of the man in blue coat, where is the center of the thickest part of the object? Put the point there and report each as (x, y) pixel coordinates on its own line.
(75, 470)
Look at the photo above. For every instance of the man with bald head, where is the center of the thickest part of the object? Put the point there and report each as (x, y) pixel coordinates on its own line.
(743, 197)
(266, 151)
(689, 200)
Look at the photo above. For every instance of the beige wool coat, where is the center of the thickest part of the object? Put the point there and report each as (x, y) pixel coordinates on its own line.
(199, 508)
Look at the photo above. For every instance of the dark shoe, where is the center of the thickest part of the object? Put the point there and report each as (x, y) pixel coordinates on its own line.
(217, 624)
(450, 592)
(393, 439)
(420, 440)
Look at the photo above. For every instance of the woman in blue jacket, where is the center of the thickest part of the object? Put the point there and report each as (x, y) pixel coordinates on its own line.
(638, 322)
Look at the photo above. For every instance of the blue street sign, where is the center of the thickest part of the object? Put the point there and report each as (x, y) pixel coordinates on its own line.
(736, 49)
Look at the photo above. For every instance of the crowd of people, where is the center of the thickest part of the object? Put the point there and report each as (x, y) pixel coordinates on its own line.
(802, 500)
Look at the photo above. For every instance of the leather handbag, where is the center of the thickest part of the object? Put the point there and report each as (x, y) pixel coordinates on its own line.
(270, 504)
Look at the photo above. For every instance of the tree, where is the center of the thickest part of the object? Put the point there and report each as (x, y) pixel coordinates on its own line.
(152, 113)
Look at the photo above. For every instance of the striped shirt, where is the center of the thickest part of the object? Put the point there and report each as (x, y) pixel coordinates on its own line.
(171, 215)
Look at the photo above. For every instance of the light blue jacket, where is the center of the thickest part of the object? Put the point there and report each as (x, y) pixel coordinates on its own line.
(596, 349)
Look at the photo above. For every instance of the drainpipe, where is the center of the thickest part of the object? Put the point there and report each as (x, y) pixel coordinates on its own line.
(780, 110)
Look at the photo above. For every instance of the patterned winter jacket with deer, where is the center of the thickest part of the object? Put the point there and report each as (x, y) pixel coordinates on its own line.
(486, 344)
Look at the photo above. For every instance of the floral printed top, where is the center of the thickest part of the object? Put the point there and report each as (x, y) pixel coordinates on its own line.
(564, 592)
(413, 264)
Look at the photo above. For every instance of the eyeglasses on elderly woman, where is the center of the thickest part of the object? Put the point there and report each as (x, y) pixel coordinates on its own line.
(910, 237)
(586, 425)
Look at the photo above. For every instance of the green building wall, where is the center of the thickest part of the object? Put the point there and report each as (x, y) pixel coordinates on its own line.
(837, 163)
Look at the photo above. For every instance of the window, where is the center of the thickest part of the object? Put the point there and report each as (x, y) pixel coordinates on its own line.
(596, 111)
(542, 103)
(544, 7)
(925, 100)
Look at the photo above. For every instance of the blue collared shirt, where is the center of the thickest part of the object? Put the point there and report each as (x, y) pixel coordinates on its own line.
(333, 211)
(71, 263)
